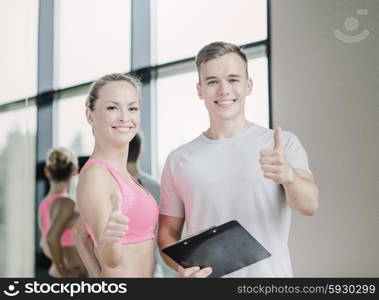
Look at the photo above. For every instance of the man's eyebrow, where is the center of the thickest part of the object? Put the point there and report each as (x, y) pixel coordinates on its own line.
(230, 75)
(210, 77)
(132, 103)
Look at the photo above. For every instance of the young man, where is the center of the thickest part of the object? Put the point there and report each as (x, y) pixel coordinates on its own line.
(235, 170)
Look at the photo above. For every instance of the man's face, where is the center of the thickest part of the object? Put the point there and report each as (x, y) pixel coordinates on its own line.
(224, 86)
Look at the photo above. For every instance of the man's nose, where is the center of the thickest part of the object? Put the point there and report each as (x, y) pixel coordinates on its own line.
(224, 88)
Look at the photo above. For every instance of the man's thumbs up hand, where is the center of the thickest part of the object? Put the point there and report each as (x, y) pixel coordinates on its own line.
(278, 139)
(273, 163)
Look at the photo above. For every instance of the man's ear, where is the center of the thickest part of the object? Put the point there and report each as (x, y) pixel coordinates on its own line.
(198, 87)
(249, 86)
(89, 116)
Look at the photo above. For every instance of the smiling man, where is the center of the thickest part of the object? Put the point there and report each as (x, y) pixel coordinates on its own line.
(235, 170)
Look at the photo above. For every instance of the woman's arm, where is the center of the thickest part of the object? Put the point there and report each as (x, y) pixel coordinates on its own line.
(85, 249)
(100, 208)
(62, 213)
(42, 240)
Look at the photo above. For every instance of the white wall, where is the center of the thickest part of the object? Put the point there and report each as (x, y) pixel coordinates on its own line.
(327, 92)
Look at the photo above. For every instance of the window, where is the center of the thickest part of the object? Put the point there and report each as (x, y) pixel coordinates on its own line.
(182, 29)
(18, 59)
(257, 104)
(17, 168)
(72, 130)
(92, 38)
(181, 115)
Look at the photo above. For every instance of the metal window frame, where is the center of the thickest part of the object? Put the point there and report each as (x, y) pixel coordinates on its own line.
(44, 104)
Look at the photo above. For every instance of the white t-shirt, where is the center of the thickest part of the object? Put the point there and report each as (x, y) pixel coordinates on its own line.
(210, 182)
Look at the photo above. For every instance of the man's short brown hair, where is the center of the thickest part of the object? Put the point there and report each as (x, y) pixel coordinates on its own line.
(217, 49)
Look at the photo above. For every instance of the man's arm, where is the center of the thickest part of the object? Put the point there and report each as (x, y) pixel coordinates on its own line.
(302, 192)
(169, 233)
(63, 212)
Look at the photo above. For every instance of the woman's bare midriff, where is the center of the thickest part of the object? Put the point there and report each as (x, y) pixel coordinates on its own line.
(138, 261)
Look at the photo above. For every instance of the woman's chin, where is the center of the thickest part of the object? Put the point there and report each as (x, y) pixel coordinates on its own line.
(124, 142)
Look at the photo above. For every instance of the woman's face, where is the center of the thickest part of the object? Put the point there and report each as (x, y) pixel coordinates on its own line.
(116, 116)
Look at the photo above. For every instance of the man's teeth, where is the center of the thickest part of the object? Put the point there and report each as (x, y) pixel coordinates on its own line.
(226, 102)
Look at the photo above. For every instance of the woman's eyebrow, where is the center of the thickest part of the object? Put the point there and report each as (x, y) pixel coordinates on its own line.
(118, 102)
(112, 101)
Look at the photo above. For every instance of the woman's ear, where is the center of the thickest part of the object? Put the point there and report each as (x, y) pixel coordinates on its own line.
(46, 172)
(89, 116)
(74, 171)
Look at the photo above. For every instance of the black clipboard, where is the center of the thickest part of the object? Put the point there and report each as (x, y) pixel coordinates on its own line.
(226, 248)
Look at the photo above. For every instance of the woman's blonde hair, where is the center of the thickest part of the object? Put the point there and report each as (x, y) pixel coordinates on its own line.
(61, 162)
(93, 93)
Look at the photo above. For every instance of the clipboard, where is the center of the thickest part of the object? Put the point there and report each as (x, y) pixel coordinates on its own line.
(226, 248)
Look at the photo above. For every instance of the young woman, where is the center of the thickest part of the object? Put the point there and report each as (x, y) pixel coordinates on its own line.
(119, 214)
(57, 216)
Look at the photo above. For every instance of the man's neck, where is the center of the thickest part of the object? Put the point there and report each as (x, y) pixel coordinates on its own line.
(227, 129)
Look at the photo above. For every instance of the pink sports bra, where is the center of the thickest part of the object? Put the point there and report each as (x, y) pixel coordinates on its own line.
(141, 209)
(67, 237)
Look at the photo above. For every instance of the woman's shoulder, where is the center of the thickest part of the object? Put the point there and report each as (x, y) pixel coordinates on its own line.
(95, 179)
(94, 172)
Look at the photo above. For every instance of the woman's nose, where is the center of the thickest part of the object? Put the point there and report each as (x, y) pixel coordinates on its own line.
(124, 115)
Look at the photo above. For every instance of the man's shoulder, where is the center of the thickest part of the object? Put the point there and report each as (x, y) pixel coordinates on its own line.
(268, 133)
(186, 148)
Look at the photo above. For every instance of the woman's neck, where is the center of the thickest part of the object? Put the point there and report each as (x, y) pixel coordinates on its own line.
(62, 187)
(116, 157)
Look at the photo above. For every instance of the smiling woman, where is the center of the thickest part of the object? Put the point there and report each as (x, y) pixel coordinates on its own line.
(118, 214)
